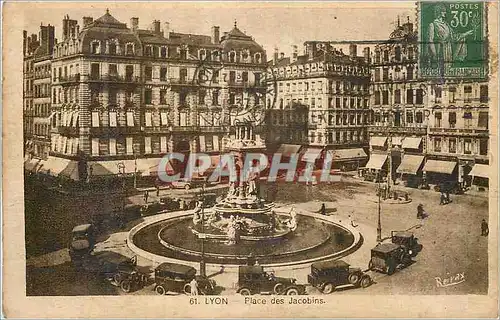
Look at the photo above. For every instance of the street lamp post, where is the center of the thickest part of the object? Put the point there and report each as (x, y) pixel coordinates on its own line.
(203, 271)
(379, 226)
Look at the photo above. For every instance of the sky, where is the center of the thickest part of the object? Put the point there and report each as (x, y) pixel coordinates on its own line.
(276, 24)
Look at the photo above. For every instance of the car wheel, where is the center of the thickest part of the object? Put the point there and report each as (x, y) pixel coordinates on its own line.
(292, 292)
(278, 288)
(187, 288)
(353, 278)
(390, 268)
(328, 288)
(117, 279)
(160, 290)
(245, 292)
(366, 281)
(126, 286)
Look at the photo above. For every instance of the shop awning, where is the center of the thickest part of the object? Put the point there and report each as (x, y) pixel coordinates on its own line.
(410, 164)
(71, 171)
(32, 165)
(480, 170)
(347, 154)
(54, 165)
(378, 141)
(113, 167)
(311, 154)
(376, 161)
(149, 166)
(439, 166)
(287, 150)
(411, 143)
(397, 141)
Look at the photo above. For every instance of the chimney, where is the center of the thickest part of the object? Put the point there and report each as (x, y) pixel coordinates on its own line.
(295, 53)
(166, 30)
(353, 50)
(65, 27)
(275, 57)
(408, 26)
(311, 50)
(87, 21)
(51, 38)
(25, 38)
(215, 34)
(366, 54)
(134, 23)
(155, 26)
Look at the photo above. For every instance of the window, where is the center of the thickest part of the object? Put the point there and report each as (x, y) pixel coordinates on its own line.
(397, 96)
(257, 78)
(377, 56)
(112, 119)
(95, 119)
(183, 75)
(467, 94)
(163, 74)
(94, 71)
(409, 75)
(483, 94)
(452, 91)
(438, 92)
(148, 116)
(201, 97)
(148, 94)
(163, 96)
(385, 74)
(112, 48)
(437, 144)
(313, 102)
(113, 70)
(385, 97)
(129, 145)
(215, 98)
(452, 145)
(397, 53)
(113, 96)
(437, 119)
(467, 119)
(148, 51)
(452, 119)
(183, 119)
(130, 119)
(95, 47)
(163, 52)
(483, 147)
(409, 117)
(419, 99)
(215, 76)
(377, 97)
(129, 73)
(410, 53)
(419, 117)
(232, 56)
(244, 77)
(409, 96)
(183, 99)
(467, 146)
(148, 72)
(95, 146)
(386, 55)
(483, 120)
(129, 49)
(147, 144)
(337, 102)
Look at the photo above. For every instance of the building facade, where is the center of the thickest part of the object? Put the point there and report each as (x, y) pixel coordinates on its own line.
(334, 88)
(122, 96)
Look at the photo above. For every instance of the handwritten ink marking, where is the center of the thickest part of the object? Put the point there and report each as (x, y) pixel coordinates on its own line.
(450, 281)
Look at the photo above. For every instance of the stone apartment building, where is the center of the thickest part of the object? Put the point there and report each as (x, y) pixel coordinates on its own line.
(333, 89)
(122, 97)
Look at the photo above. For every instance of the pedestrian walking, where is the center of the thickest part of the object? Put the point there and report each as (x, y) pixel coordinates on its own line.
(146, 196)
(322, 211)
(157, 190)
(420, 211)
(484, 228)
(194, 287)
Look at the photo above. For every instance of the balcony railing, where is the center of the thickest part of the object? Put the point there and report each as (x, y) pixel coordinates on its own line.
(471, 131)
(185, 128)
(388, 129)
(113, 131)
(114, 78)
(70, 79)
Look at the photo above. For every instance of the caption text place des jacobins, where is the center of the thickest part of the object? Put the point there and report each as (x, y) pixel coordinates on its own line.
(258, 301)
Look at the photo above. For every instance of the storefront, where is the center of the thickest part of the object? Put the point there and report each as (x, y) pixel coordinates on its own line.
(480, 176)
(347, 159)
(376, 168)
(410, 170)
(438, 171)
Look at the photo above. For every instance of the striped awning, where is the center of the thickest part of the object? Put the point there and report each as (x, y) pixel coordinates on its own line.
(410, 164)
(376, 161)
(480, 170)
(439, 166)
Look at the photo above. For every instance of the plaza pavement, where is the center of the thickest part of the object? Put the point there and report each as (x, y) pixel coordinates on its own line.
(450, 236)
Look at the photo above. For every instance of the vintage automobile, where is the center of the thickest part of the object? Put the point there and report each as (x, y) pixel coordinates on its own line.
(327, 276)
(121, 271)
(253, 279)
(177, 277)
(408, 241)
(386, 257)
(82, 241)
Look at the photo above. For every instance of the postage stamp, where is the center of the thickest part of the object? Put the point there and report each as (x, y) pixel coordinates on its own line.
(250, 159)
(453, 43)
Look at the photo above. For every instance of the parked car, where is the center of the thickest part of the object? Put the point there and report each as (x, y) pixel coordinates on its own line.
(327, 276)
(253, 280)
(386, 257)
(82, 241)
(177, 277)
(408, 241)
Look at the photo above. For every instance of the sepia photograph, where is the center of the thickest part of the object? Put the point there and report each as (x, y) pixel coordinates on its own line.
(322, 159)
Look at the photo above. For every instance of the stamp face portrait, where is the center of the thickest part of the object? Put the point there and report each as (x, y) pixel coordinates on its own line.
(453, 39)
(250, 159)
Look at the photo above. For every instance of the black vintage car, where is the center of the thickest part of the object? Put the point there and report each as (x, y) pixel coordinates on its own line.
(82, 241)
(386, 257)
(408, 241)
(177, 277)
(253, 280)
(335, 274)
